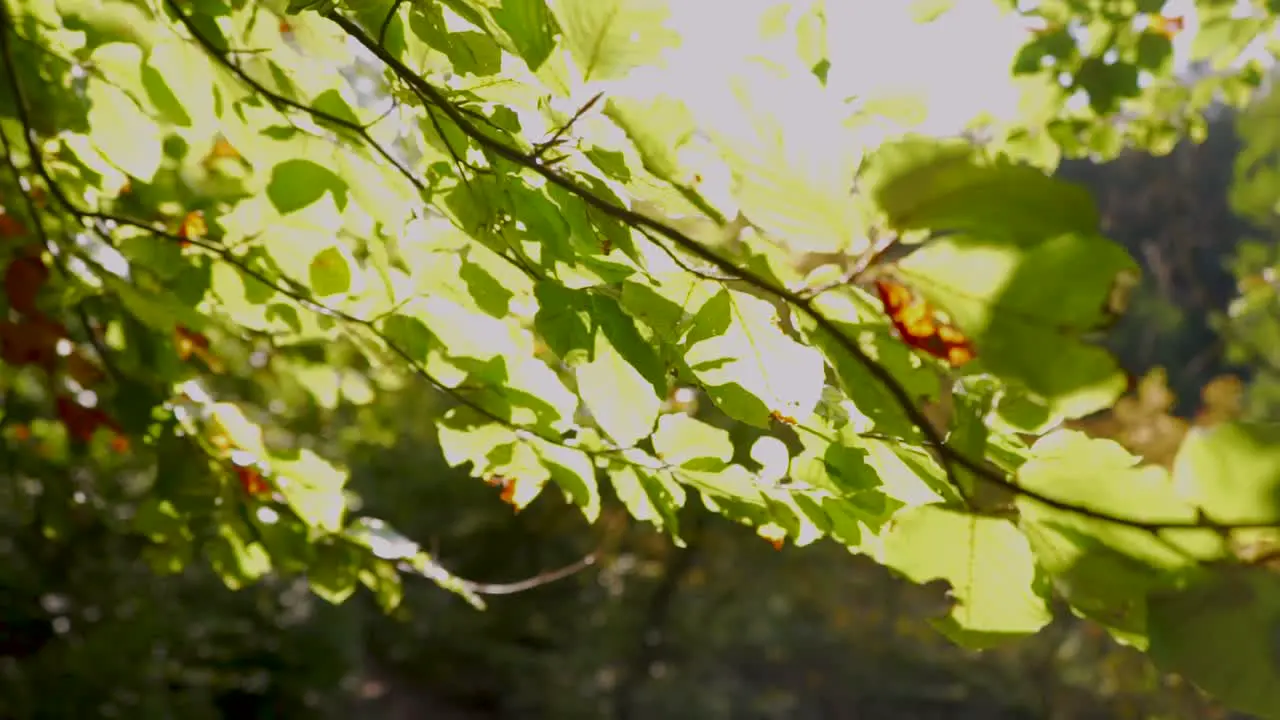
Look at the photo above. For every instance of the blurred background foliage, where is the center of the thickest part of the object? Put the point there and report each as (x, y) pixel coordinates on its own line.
(93, 623)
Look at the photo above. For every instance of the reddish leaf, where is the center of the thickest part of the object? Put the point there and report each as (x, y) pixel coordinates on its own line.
(82, 422)
(11, 227)
(119, 444)
(252, 481)
(1167, 26)
(921, 326)
(189, 342)
(22, 281)
(83, 370)
(222, 148)
(193, 227)
(31, 341)
(508, 485)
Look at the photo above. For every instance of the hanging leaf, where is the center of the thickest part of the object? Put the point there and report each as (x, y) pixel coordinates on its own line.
(608, 38)
(988, 564)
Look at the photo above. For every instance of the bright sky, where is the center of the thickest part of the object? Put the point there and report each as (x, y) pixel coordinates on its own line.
(959, 65)
(960, 62)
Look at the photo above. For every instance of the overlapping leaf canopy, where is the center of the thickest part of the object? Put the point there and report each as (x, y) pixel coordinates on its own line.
(210, 203)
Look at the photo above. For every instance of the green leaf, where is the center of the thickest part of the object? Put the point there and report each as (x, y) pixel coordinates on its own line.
(313, 488)
(812, 41)
(237, 559)
(793, 160)
(163, 98)
(749, 366)
(299, 182)
(335, 573)
(296, 7)
(122, 132)
(1221, 39)
(574, 472)
(988, 564)
(383, 579)
(927, 11)
(1027, 306)
(1100, 476)
(732, 492)
(331, 102)
(658, 127)
(108, 20)
(833, 466)
(244, 434)
(650, 496)
(496, 450)
(180, 82)
(619, 397)
(530, 26)
(330, 272)
(1231, 472)
(908, 474)
(564, 322)
(691, 443)
(1106, 569)
(608, 38)
(1107, 83)
(469, 52)
(493, 359)
(1224, 636)
(1155, 51)
(860, 319)
(1057, 44)
(388, 545)
(473, 53)
(947, 185)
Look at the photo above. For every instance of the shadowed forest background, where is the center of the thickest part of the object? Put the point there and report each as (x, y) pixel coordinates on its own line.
(728, 627)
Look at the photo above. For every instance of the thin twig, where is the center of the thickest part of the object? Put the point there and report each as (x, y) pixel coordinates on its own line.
(541, 149)
(538, 580)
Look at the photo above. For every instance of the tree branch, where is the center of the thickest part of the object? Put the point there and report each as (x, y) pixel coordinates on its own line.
(949, 455)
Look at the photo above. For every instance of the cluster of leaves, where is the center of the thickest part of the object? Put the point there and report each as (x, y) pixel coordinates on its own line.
(1252, 322)
(566, 252)
(1098, 76)
(1173, 213)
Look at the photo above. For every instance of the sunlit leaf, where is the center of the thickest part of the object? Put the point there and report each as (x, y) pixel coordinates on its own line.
(330, 272)
(297, 183)
(608, 38)
(691, 443)
(749, 366)
(923, 184)
(986, 561)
